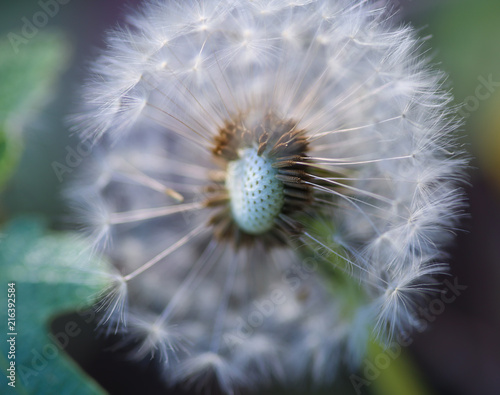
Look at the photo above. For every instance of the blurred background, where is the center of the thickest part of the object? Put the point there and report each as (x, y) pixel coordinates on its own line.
(460, 351)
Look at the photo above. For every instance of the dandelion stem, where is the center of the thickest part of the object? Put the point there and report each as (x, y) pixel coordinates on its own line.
(350, 262)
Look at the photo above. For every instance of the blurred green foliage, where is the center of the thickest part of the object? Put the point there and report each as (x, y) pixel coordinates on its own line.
(466, 43)
(466, 37)
(25, 81)
(51, 275)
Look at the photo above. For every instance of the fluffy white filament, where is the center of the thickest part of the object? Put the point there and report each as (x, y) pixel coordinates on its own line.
(376, 117)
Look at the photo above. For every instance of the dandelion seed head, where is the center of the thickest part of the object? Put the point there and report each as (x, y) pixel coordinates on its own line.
(247, 149)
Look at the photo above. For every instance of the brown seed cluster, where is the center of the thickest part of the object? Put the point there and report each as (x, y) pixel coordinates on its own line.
(283, 143)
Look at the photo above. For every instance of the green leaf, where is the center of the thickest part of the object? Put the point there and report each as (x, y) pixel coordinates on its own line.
(10, 151)
(52, 275)
(465, 33)
(395, 373)
(27, 74)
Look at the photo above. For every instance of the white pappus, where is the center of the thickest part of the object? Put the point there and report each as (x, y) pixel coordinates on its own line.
(250, 153)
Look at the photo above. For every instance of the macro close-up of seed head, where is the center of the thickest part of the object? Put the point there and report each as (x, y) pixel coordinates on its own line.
(275, 183)
(250, 197)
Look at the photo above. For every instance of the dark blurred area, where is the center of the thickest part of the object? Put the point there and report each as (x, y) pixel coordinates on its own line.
(460, 351)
